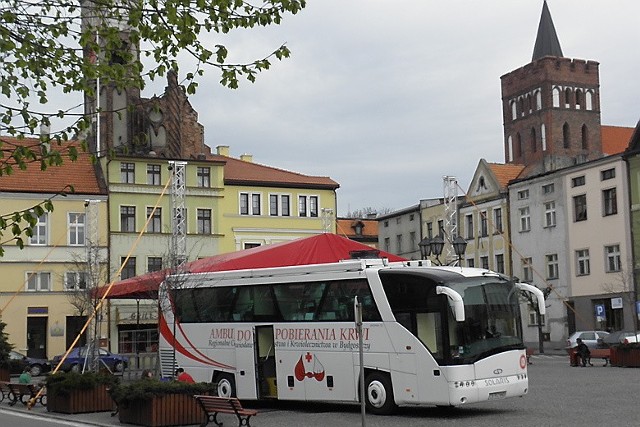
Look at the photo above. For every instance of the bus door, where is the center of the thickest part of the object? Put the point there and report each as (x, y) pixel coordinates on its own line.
(245, 375)
(265, 362)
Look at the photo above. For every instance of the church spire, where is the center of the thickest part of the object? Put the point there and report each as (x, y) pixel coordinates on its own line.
(547, 43)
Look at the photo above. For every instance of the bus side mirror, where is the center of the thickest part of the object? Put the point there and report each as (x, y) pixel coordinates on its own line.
(537, 293)
(455, 300)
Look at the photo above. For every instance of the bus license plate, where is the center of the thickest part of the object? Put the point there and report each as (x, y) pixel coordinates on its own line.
(497, 395)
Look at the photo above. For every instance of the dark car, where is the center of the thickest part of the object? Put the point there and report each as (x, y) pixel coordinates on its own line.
(76, 360)
(18, 361)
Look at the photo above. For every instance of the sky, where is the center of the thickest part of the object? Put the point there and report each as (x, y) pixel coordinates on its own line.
(387, 96)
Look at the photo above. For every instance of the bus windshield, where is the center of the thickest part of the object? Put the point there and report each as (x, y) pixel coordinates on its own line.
(492, 319)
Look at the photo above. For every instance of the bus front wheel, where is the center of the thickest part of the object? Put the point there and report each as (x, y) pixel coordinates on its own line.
(226, 385)
(379, 394)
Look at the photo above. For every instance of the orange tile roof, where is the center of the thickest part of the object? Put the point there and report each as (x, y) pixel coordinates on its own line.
(505, 172)
(345, 227)
(241, 172)
(615, 139)
(81, 174)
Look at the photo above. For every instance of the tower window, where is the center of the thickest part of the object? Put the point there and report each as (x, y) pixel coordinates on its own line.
(579, 99)
(514, 110)
(556, 97)
(567, 98)
(543, 137)
(510, 149)
(565, 135)
(538, 100)
(589, 100)
(585, 137)
(534, 144)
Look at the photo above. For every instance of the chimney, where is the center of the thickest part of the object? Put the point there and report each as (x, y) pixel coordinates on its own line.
(247, 158)
(223, 150)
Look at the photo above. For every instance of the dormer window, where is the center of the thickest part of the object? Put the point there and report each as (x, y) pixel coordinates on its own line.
(358, 226)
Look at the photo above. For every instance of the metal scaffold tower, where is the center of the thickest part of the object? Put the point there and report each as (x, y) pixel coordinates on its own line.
(450, 191)
(92, 247)
(179, 224)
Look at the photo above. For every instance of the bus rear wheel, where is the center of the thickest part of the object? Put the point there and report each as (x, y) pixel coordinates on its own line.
(379, 394)
(226, 385)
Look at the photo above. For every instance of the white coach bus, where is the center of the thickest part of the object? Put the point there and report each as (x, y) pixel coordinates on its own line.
(431, 335)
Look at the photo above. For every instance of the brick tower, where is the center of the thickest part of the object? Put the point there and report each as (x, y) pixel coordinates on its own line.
(551, 107)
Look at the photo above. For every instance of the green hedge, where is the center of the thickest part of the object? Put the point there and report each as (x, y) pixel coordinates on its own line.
(63, 383)
(146, 388)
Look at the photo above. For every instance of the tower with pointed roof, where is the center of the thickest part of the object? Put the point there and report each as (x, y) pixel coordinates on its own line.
(551, 107)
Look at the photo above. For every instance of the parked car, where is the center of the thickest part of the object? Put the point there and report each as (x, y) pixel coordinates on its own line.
(76, 359)
(18, 361)
(615, 338)
(590, 338)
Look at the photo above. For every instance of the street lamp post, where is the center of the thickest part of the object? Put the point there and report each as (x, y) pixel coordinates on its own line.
(435, 245)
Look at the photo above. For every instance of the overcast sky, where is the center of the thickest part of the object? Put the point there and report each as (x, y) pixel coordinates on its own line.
(387, 96)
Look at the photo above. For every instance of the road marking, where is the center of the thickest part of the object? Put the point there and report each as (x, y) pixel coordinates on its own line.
(40, 417)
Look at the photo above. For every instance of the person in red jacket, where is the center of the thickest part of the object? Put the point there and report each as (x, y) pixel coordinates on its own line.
(181, 375)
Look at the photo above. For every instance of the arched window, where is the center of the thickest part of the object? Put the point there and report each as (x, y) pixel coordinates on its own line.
(579, 99)
(529, 103)
(543, 137)
(514, 110)
(567, 97)
(538, 100)
(556, 97)
(534, 143)
(565, 135)
(518, 147)
(585, 137)
(521, 105)
(510, 149)
(589, 100)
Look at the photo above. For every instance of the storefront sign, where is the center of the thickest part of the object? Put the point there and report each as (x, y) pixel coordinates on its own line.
(616, 302)
(131, 315)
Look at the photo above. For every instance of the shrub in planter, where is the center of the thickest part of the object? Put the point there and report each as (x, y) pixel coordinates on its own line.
(73, 393)
(156, 403)
(629, 355)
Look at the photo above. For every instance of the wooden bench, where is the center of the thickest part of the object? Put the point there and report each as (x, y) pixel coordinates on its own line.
(5, 391)
(25, 392)
(599, 353)
(214, 405)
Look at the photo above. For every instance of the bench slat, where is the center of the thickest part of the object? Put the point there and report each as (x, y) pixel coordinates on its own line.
(214, 405)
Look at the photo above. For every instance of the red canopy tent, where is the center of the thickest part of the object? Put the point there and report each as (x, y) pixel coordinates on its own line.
(320, 249)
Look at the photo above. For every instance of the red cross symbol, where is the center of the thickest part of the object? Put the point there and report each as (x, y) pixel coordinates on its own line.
(308, 357)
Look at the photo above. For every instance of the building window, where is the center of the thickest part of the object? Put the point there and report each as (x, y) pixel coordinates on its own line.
(155, 223)
(612, 253)
(484, 262)
(609, 202)
(75, 280)
(523, 194)
(543, 137)
(497, 219)
(440, 226)
(484, 228)
(471, 262)
(386, 224)
(566, 137)
(128, 269)
(398, 220)
(430, 229)
(250, 203)
(279, 205)
(250, 245)
(550, 214)
(608, 174)
(469, 226)
(552, 266)
(585, 137)
(580, 207)
(204, 221)
(387, 244)
(578, 181)
(38, 281)
(39, 230)
(582, 262)
(527, 270)
(412, 241)
(500, 263)
(180, 221)
(127, 173)
(154, 263)
(535, 319)
(547, 189)
(204, 177)
(525, 219)
(411, 217)
(153, 174)
(76, 229)
(556, 96)
(308, 206)
(127, 219)
(399, 243)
